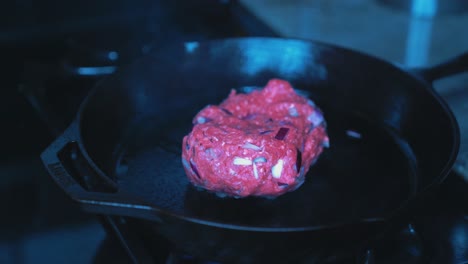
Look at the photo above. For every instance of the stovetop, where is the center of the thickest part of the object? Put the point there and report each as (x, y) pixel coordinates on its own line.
(437, 233)
(48, 71)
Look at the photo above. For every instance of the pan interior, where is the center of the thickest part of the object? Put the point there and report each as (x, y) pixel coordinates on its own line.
(366, 173)
(132, 128)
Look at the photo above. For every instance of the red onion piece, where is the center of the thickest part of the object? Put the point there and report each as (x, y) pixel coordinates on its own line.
(249, 117)
(282, 184)
(282, 132)
(285, 123)
(226, 111)
(266, 132)
(298, 160)
(194, 168)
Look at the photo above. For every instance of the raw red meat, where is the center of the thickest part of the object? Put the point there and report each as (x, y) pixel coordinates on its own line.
(257, 144)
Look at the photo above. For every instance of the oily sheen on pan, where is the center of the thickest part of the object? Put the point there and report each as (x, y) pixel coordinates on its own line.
(257, 144)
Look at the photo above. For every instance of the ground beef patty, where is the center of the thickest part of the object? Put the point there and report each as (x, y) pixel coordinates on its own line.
(256, 144)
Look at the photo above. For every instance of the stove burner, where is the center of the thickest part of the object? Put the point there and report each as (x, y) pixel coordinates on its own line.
(403, 247)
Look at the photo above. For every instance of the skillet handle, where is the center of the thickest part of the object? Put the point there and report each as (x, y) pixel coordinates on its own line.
(451, 67)
(95, 193)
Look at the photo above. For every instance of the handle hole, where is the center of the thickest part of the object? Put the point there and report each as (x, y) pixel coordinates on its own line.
(76, 165)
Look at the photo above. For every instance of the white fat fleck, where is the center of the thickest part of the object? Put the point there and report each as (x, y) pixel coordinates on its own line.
(251, 146)
(242, 161)
(315, 118)
(221, 194)
(255, 172)
(186, 164)
(249, 89)
(353, 134)
(260, 159)
(232, 172)
(277, 169)
(293, 111)
(201, 120)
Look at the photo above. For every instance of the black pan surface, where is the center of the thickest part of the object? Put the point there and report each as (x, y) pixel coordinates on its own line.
(381, 122)
(356, 178)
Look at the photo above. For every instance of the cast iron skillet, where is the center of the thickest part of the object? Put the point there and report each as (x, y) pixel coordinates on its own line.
(392, 139)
